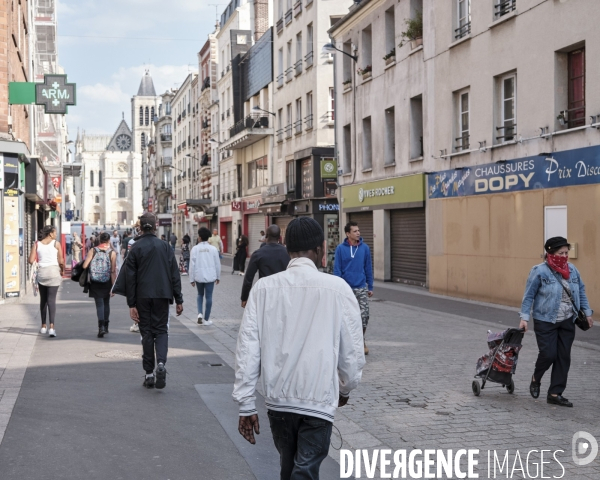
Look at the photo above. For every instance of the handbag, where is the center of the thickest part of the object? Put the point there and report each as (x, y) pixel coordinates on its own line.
(76, 271)
(581, 319)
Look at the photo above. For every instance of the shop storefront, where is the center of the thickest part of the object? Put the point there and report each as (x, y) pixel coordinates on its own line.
(274, 206)
(391, 216)
(253, 222)
(165, 225)
(487, 223)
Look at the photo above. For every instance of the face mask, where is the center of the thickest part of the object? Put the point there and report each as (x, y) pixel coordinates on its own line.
(559, 264)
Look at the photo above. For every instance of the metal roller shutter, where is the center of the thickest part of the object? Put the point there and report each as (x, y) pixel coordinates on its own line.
(409, 246)
(256, 223)
(282, 223)
(365, 225)
(230, 239)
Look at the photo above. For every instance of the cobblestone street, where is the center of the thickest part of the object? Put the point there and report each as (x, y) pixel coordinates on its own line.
(416, 388)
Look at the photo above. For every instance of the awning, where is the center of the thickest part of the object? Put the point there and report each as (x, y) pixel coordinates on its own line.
(273, 208)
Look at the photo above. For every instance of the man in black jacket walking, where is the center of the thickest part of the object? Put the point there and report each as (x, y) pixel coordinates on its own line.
(151, 282)
(269, 259)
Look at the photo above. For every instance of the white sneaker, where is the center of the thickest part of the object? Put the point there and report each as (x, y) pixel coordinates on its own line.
(207, 322)
(200, 317)
(241, 274)
(43, 330)
(52, 332)
(134, 328)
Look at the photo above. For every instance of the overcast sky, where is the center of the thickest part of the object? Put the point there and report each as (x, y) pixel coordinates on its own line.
(106, 46)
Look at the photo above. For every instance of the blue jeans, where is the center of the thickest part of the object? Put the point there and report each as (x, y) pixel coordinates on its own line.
(302, 442)
(202, 289)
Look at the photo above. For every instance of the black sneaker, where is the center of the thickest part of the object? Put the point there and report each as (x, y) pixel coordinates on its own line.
(534, 388)
(161, 376)
(149, 382)
(559, 400)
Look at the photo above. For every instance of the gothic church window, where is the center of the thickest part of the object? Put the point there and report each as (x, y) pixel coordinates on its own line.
(141, 116)
(143, 140)
(92, 178)
(152, 114)
(97, 199)
(147, 116)
(100, 178)
(121, 190)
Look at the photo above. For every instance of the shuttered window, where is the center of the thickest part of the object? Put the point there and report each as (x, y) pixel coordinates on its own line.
(409, 246)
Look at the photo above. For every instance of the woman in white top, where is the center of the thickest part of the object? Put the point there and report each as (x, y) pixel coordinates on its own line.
(51, 264)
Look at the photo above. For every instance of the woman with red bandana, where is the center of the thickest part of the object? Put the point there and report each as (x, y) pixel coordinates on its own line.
(546, 300)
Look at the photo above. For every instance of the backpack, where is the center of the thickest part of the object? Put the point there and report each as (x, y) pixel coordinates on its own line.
(100, 266)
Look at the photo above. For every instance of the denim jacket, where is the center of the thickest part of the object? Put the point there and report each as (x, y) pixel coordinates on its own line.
(543, 292)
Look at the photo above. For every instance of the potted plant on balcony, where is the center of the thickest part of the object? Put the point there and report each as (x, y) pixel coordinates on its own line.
(562, 118)
(414, 31)
(365, 72)
(390, 56)
(347, 84)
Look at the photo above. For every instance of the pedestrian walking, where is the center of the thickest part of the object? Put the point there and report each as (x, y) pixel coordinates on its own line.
(173, 241)
(205, 273)
(163, 238)
(353, 264)
(125, 243)
(135, 328)
(47, 252)
(101, 262)
(296, 323)
(262, 238)
(68, 243)
(151, 282)
(186, 239)
(115, 243)
(76, 248)
(239, 261)
(216, 242)
(184, 264)
(271, 259)
(554, 293)
(89, 243)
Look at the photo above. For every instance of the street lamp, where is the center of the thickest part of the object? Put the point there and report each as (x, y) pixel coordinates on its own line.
(331, 48)
(258, 109)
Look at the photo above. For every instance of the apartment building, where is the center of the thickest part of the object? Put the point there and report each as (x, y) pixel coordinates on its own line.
(185, 205)
(241, 23)
(304, 105)
(469, 144)
(161, 165)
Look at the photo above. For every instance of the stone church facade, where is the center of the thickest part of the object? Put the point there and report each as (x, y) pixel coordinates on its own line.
(112, 165)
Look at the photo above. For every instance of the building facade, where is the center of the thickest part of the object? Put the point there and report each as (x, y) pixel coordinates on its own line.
(305, 111)
(461, 145)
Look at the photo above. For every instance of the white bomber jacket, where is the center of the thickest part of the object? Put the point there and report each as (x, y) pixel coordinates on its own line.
(301, 338)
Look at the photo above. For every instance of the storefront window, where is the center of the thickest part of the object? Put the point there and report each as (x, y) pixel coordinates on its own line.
(330, 188)
(332, 232)
(307, 178)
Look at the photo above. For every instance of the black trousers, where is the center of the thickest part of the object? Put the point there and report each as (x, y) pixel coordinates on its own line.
(302, 443)
(103, 309)
(48, 302)
(554, 342)
(154, 319)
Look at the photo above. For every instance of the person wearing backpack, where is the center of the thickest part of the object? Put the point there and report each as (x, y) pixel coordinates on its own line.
(102, 264)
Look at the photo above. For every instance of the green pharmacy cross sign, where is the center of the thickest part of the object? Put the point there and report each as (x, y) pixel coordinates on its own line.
(54, 93)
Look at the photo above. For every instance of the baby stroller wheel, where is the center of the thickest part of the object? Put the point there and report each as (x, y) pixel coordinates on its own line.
(510, 388)
(476, 388)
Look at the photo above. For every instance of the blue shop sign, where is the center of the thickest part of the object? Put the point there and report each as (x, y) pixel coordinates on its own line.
(559, 169)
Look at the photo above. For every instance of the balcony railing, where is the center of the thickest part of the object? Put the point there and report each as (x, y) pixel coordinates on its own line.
(288, 16)
(462, 143)
(297, 8)
(166, 137)
(184, 114)
(279, 134)
(251, 121)
(289, 74)
(298, 67)
(504, 7)
(288, 131)
(280, 80)
(279, 25)
(309, 121)
(463, 31)
(509, 133)
(308, 59)
(298, 126)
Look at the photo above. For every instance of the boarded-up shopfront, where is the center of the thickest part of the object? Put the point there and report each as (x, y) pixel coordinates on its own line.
(391, 217)
(487, 224)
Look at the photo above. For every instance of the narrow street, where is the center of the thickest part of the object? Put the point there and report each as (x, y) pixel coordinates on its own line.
(74, 406)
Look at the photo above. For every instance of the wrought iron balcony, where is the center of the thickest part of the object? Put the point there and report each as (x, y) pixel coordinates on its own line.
(504, 7)
(463, 31)
(166, 137)
(308, 59)
(298, 67)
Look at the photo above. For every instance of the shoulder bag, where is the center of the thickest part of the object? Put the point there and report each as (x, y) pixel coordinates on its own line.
(581, 320)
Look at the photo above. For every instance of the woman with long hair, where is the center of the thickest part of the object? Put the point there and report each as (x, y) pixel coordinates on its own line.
(51, 266)
(102, 263)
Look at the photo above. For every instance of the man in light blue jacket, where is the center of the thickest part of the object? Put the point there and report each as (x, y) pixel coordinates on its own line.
(205, 272)
(353, 264)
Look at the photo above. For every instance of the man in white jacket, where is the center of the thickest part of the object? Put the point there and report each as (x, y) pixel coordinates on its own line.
(205, 273)
(302, 335)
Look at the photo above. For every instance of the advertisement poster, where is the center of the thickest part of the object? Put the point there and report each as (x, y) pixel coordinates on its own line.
(11, 247)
